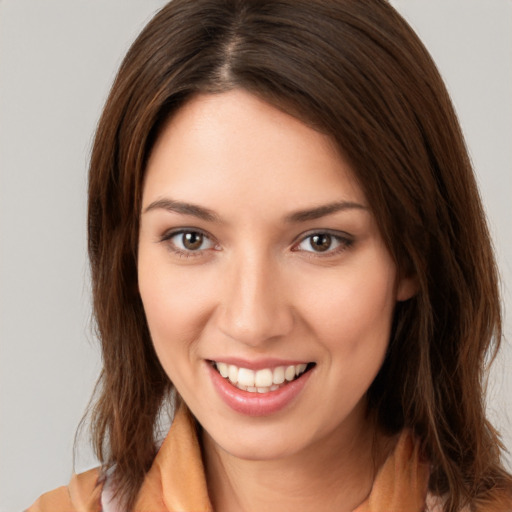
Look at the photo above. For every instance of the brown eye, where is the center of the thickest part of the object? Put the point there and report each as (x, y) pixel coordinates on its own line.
(324, 242)
(188, 241)
(192, 240)
(321, 242)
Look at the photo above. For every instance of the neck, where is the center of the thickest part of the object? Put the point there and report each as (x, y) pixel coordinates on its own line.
(336, 473)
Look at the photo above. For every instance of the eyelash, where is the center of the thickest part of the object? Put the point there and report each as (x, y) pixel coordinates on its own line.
(344, 240)
(181, 252)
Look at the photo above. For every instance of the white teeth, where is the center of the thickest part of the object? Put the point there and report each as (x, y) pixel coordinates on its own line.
(278, 376)
(300, 369)
(263, 378)
(223, 369)
(245, 377)
(233, 373)
(289, 373)
(260, 381)
(256, 389)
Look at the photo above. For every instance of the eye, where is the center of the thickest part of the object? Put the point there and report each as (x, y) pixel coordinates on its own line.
(324, 242)
(188, 241)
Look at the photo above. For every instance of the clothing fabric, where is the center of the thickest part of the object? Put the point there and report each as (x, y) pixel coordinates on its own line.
(176, 481)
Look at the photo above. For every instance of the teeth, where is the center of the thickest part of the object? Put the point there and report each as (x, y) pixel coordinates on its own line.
(260, 381)
(289, 373)
(223, 369)
(278, 377)
(300, 369)
(233, 373)
(263, 378)
(245, 377)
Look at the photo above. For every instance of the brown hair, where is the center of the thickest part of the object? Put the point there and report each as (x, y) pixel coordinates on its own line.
(356, 71)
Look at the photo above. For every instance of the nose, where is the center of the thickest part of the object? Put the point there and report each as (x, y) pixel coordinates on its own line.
(253, 308)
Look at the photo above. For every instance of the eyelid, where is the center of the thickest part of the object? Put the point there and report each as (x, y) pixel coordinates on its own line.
(345, 240)
(171, 233)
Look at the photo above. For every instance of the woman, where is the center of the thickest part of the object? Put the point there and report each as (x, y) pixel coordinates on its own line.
(282, 232)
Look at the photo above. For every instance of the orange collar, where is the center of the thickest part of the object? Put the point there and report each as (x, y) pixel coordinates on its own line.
(176, 480)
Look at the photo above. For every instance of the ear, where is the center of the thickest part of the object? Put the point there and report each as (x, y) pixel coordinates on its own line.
(407, 288)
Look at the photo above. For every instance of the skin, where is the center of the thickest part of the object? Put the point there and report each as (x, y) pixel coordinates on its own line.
(257, 288)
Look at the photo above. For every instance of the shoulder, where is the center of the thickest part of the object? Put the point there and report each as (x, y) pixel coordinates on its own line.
(83, 494)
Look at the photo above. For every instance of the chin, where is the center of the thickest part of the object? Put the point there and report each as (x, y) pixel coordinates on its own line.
(255, 444)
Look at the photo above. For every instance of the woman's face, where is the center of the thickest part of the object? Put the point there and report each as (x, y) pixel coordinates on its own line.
(267, 287)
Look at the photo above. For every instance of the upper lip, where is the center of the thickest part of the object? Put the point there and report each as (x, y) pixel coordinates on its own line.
(258, 364)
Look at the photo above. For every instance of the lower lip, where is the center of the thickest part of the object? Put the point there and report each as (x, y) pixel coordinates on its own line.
(257, 404)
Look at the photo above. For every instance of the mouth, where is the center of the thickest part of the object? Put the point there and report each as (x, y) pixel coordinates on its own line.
(264, 380)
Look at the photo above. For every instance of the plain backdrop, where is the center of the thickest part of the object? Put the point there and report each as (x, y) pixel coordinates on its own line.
(57, 61)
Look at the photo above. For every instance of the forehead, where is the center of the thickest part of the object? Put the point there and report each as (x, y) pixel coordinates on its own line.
(233, 145)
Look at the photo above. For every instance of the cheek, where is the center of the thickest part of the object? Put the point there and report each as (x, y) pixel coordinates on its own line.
(176, 307)
(352, 312)
(353, 325)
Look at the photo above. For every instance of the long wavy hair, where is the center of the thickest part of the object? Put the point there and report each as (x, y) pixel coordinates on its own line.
(356, 71)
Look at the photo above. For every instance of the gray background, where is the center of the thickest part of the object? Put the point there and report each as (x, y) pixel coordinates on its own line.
(57, 60)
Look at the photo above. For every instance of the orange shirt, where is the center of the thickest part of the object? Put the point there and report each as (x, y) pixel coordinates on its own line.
(176, 480)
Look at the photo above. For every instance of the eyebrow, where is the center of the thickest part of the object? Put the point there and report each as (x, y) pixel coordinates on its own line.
(321, 211)
(183, 208)
(210, 216)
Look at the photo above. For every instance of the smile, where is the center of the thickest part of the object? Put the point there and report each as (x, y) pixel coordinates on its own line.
(261, 390)
(264, 380)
